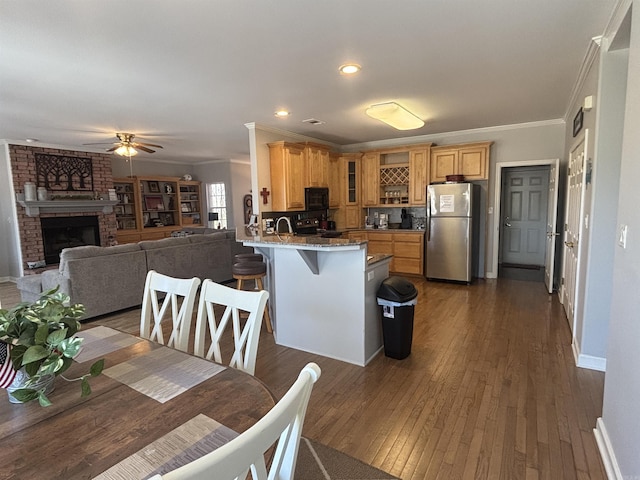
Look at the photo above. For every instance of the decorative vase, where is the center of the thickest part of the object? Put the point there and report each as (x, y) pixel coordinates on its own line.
(21, 379)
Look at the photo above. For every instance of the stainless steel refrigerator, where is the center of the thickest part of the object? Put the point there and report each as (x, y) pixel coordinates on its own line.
(451, 243)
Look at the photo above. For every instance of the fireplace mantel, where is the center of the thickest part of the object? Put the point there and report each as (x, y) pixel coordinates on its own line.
(34, 209)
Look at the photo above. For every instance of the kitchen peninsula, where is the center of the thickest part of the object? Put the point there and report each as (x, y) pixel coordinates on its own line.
(322, 293)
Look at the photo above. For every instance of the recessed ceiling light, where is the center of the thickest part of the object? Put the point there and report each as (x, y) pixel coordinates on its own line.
(31, 140)
(349, 68)
(282, 113)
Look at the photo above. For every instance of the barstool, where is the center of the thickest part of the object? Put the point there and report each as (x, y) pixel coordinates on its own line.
(255, 270)
(247, 257)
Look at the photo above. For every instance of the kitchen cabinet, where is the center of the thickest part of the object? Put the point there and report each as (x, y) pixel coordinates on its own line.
(316, 160)
(370, 180)
(335, 180)
(470, 160)
(408, 253)
(419, 174)
(288, 176)
(349, 213)
(407, 248)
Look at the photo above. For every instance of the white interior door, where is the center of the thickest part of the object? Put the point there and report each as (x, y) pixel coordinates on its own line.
(552, 217)
(571, 248)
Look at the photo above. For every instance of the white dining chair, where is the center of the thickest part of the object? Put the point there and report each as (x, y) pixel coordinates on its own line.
(281, 425)
(164, 295)
(245, 335)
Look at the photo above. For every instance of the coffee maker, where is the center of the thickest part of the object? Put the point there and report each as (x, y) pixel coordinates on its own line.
(383, 221)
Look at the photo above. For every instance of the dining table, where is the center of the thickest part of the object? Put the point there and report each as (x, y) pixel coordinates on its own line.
(152, 409)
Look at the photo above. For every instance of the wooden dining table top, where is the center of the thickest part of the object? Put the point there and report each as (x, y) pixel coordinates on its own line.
(82, 437)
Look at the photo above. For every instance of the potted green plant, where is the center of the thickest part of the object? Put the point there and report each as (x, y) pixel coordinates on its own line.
(42, 343)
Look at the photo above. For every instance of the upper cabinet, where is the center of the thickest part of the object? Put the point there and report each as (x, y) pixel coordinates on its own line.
(419, 174)
(288, 176)
(396, 176)
(316, 159)
(370, 179)
(470, 160)
(335, 180)
(349, 215)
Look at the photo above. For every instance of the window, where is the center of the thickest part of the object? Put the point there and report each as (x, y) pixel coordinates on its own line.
(217, 201)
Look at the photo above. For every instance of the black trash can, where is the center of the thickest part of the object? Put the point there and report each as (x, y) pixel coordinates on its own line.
(397, 300)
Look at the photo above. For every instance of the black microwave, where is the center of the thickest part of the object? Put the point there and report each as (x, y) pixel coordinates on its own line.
(316, 198)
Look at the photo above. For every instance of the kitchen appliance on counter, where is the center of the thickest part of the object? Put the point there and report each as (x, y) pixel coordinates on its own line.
(405, 220)
(383, 221)
(451, 241)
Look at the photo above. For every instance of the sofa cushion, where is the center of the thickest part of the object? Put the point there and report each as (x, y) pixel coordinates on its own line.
(207, 238)
(163, 243)
(89, 251)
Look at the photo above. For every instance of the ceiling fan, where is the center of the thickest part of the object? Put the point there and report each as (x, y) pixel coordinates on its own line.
(126, 147)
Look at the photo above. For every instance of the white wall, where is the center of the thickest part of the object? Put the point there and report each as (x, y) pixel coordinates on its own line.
(620, 423)
(236, 176)
(10, 255)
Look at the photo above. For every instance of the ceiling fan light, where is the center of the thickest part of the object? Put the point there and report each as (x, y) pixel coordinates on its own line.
(126, 151)
(395, 115)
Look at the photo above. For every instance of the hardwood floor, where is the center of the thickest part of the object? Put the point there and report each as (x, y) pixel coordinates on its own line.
(490, 390)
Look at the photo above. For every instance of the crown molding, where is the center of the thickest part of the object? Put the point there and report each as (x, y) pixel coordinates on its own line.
(294, 136)
(593, 52)
(432, 138)
(617, 17)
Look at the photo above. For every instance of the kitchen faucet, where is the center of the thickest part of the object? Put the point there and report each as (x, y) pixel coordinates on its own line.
(287, 221)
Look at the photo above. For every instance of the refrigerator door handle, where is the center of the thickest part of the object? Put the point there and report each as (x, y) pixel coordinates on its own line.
(428, 219)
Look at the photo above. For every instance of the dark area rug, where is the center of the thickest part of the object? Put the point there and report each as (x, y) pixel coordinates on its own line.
(319, 462)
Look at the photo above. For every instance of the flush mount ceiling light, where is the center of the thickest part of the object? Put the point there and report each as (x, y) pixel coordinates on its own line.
(349, 68)
(395, 115)
(282, 113)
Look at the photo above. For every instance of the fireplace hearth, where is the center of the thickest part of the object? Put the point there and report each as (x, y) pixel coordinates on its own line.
(67, 232)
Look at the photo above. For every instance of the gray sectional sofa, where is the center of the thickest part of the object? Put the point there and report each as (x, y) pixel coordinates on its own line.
(108, 279)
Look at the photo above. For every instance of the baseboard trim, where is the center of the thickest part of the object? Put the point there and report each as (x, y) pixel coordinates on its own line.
(587, 361)
(606, 451)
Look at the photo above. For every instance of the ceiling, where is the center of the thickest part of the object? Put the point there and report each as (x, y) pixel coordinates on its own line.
(190, 74)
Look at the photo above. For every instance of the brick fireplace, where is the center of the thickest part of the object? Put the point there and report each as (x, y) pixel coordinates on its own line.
(23, 167)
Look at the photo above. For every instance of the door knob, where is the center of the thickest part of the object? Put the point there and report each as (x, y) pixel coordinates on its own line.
(506, 222)
(552, 234)
(569, 244)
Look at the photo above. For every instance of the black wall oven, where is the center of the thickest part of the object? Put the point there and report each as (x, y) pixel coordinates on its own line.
(316, 198)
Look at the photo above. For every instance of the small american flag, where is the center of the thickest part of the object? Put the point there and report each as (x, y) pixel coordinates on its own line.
(6, 367)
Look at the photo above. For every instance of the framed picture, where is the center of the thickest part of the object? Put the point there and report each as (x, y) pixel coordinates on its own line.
(119, 209)
(154, 187)
(153, 202)
(577, 122)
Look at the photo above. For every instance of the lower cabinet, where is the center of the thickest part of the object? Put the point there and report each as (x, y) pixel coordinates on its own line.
(406, 247)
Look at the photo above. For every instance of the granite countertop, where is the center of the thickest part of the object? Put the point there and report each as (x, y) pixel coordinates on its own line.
(387, 230)
(246, 234)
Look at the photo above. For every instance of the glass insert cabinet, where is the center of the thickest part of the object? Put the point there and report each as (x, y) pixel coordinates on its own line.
(153, 207)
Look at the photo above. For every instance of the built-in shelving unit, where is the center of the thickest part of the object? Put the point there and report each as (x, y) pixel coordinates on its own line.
(152, 207)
